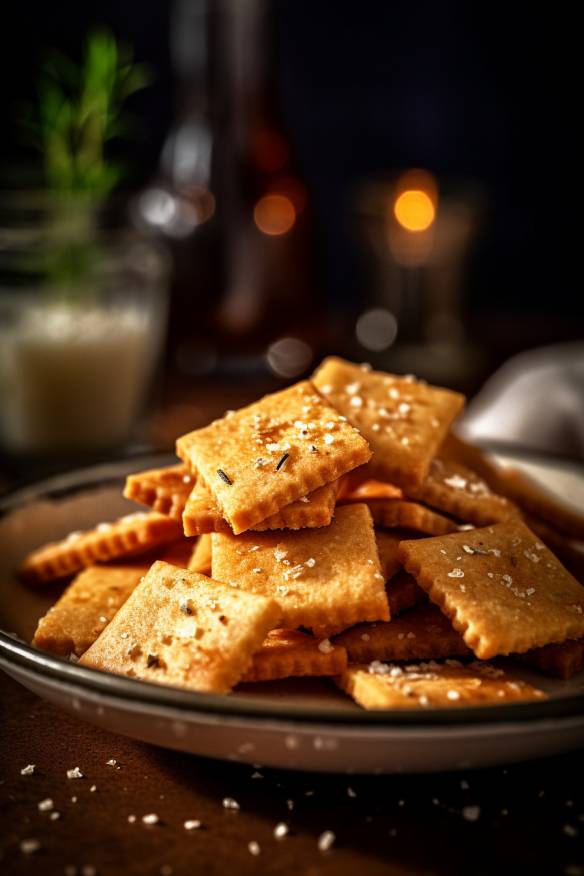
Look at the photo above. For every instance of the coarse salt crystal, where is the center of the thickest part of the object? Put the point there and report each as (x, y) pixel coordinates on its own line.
(192, 824)
(28, 770)
(150, 818)
(471, 813)
(325, 646)
(29, 846)
(356, 401)
(254, 848)
(328, 439)
(456, 573)
(230, 803)
(326, 840)
(45, 805)
(453, 695)
(75, 773)
(281, 830)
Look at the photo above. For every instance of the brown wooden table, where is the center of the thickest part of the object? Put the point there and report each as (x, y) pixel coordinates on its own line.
(530, 817)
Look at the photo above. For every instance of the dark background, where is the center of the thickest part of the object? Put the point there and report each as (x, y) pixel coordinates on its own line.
(486, 91)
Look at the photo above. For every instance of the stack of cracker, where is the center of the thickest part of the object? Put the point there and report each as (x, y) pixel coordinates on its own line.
(337, 528)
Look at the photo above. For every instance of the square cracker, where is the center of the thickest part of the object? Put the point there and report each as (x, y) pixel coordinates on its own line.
(423, 633)
(403, 514)
(430, 685)
(126, 537)
(202, 514)
(288, 653)
(264, 457)
(453, 488)
(503, 589)
(404, 421)
(183, 629)
(86, 607)
(200, 559)
(328, 576)
(561, 661)
(163, 489)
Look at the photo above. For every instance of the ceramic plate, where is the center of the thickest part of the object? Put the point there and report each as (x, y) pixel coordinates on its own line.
(298, 724)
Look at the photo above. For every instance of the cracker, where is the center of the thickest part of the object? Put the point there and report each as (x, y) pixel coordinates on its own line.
(402, 514)
(404, 421)
(183, 629)
(359, 486)
(531, 497)
(86, 607)
(320, 577)
(202, 514)
(200, 560)
(430, 685)
(423, 633)
(388, 550)
(503, 589)
(128, 536)
(262, 458)
(453, 488)
(403, 593)
(288, 653)
(561, 661)
(163, 489)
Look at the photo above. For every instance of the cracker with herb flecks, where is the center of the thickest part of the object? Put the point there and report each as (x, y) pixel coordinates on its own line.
(202, 514)
(86, 607)
(290, 653)
(328, 576)
(163, 489)
(423, 633)
(504, 591)
(432, 685)
(200, 560)
(262, 458)
(561, 661)
(453, 488)
(404, 421)
(184, 629)
(127, 537)
(403, 514)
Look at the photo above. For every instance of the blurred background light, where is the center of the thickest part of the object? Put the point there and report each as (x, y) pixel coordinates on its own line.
(376, 329)
(289, 357)
(274, 214)
(414, 210)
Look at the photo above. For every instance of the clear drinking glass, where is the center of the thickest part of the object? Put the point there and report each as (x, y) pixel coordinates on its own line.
(83, 314)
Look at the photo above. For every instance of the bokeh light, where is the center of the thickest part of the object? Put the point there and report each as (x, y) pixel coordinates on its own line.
(289, 357)
(274, 214)
(414, 210)
(376, 329)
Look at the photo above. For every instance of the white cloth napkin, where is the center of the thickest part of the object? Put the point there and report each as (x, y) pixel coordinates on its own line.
(535, 400)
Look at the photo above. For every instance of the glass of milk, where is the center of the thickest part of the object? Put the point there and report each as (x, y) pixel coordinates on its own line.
(76, 363)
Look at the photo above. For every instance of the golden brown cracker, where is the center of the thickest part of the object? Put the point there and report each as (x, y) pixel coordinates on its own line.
(531, 497)
(456, 490)
(404, 421)
(200, 560)
(388, 550)
(86, 607)
(163, 489)
(403, 593)
(288, 653)
(319, 577)
(184, 629)
(561, 661)
(126, 537)
(262, 458)
(502, 588)
(403, 514)
(202, 514)
(423, 633)
(433, 685)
